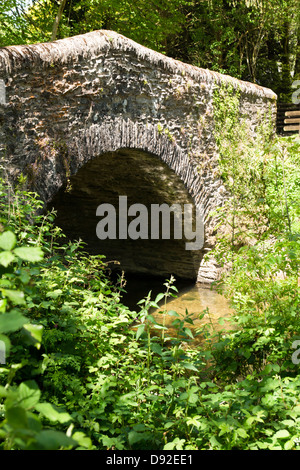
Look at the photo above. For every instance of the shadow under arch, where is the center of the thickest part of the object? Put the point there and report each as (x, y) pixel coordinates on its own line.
(124, 159)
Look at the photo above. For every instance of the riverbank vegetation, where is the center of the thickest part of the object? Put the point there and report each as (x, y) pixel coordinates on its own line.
(79, 370)
(82, 371)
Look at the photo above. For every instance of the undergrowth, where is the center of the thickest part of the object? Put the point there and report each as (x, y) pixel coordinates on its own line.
(82, 371)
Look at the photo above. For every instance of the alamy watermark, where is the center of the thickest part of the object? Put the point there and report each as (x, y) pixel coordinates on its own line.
(296, 94)
(295, 358)
(2, 92)
(2, 353)
(147, 226)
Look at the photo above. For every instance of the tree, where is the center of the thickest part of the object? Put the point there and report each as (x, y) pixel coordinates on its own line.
(255, 40)
(58, 19)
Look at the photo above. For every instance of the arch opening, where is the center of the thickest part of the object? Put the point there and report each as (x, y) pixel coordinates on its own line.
(143, 178)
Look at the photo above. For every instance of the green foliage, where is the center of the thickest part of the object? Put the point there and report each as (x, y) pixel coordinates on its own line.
(256, 41)
(22, 413)
(261, 174)
(263, 280)
(22, 427)
(82, 371)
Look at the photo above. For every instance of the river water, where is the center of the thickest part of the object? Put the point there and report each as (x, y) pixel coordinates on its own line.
(193, 298)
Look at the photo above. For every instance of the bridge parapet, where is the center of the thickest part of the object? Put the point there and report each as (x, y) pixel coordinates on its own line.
(65, 103)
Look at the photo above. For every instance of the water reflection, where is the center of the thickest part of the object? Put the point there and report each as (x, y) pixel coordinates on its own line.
(195, 299)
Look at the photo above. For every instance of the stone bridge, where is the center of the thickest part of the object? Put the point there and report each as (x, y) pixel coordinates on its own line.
(93, 117)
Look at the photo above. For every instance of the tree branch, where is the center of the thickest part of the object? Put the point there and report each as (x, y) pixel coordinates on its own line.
(58, 19)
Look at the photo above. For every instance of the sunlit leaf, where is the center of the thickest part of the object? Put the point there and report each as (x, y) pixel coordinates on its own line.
(6, 257)
(29, 394)
(8, 240)
(35, 333)
(32, 254)
(12, 321)
(15, 296)
(140, 331)
(282, 434)
(51, 413)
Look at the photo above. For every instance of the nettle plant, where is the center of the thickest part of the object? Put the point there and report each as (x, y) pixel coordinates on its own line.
(22, 413)
(82, 371)
(77, 357)
(27, 420)
(259, 241)
(242, 166)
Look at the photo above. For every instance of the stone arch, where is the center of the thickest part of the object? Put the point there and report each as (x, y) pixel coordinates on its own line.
(64, 103)
(95, 145)
(110, 136)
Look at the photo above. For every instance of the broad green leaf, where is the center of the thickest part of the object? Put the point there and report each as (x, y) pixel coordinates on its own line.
(53, 440)
(29, 394)
(156, 348)
(268, 369)
(16, 417)
(174, 288)
(282, 434)
(6, 257)
(56, 293)
(151, 319)
(241, 432)
(134, 436)
(140, 331)
(188, 332)
(112, 442)
(8, 241)
(214, 442)
(168, 425)
(35, 332)
(15, 296)
(32, 254)
(172, 313)
(157, 326)
(24, 276)
(189, 366)
(169, 446)
(140, 427)
(159, 297)
(193, 398)
(12, 321)
(195, 421)
(83, 440)
(176, 444)
(288, 422)
(290, 444)
(34, 423)
(52, 414)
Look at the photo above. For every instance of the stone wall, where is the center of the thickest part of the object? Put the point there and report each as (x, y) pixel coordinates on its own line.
(68, 102)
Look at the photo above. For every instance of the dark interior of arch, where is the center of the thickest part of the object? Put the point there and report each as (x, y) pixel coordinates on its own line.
(144, 179)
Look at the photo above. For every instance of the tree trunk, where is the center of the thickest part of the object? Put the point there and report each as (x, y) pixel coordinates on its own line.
(58, 19)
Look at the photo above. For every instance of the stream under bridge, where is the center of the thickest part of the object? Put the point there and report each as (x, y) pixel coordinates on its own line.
(96, 117)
